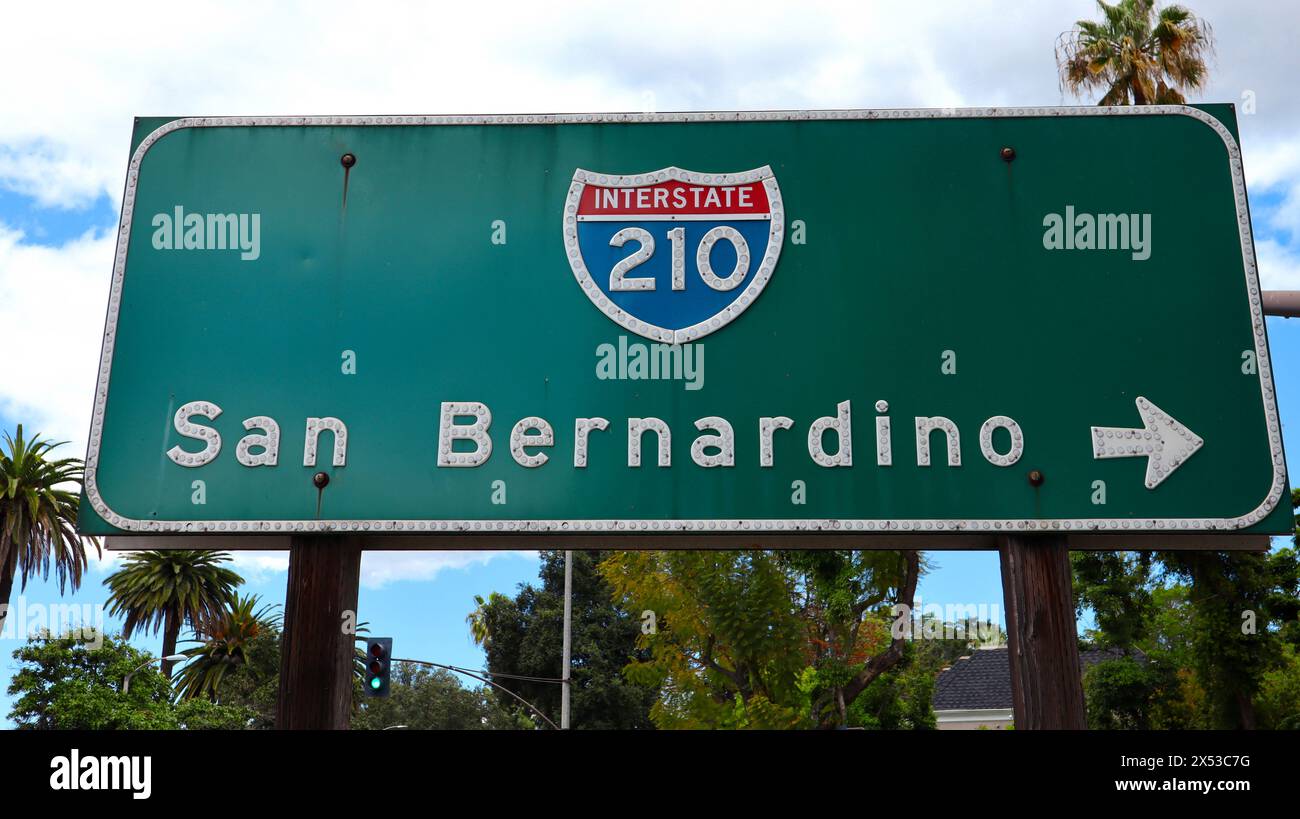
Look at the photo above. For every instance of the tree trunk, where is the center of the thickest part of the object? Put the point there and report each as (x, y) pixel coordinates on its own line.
(1139, 97)
(1246, 710)
(171, 630)
(890, 657)
(7, 586)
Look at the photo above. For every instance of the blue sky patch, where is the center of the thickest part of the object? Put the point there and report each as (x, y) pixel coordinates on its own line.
(54, 226)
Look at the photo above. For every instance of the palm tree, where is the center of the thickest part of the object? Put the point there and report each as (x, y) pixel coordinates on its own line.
(477, 619)
(224, 646)
(38, 520)
(167, 589)
(1140, 54)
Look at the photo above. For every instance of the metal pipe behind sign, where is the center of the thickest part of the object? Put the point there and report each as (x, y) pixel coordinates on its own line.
(1285, 303)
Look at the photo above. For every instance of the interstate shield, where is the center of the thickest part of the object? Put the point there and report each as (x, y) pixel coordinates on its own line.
(673, 255)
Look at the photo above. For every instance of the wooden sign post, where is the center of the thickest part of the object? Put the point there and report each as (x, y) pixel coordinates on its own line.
(318, 643)
(1046, 681)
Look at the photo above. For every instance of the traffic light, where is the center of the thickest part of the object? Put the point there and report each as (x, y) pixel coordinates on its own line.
(379, 656)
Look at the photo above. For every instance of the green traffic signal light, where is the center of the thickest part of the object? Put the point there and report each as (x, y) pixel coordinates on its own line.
(377, 666)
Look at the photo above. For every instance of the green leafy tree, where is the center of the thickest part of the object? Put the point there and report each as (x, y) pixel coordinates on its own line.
(201, 715)
(846, 602)
(761, 639)
(1120, 694)
(1141, 613)
(1212, 627)
(1117, 588)
(1168, 633)
(424, 698)
(1278, 701)
(38, 516)
(728, 648)
(1238, 602)
(900, 699)
(75, 682)
(1199, 666)
(1137, 54)
(254, 683)
(523, 636)
(169, 589)
(1167, 645)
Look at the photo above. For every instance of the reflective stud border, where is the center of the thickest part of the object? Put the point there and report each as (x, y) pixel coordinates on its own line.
(1265, 368)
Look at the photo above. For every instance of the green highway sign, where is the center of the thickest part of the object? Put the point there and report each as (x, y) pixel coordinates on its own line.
(930, 321)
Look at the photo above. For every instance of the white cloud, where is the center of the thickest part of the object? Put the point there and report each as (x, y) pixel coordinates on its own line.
(65, 131)
(259, 567)
(378, 569)
(1279, 265)
(1271, 164)
(105, 562)
(52, 303)
(51, 173)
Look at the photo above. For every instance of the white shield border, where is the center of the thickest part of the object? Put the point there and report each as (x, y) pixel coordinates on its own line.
(776, 238)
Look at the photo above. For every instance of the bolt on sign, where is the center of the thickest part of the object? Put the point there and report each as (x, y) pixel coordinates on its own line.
(914, 321)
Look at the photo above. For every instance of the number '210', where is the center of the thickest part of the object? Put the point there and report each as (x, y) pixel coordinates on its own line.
(620, 281)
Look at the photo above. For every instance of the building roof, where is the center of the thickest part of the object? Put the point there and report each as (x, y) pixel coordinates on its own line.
(983, 679)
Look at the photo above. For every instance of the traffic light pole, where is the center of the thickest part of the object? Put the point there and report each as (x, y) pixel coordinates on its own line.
(317, 651)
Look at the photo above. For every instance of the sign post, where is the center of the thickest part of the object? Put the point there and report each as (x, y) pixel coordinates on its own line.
(1042, 637)
(842, 329)
(318, 646)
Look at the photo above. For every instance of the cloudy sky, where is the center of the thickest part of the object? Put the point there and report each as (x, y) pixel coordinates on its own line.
(76, 75)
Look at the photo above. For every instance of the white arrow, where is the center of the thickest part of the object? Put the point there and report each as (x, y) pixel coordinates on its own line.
(1165, 442)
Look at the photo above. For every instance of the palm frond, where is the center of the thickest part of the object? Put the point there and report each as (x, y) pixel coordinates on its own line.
(223, 646)
(39, 496)
(1136, 52)
(188, 585)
